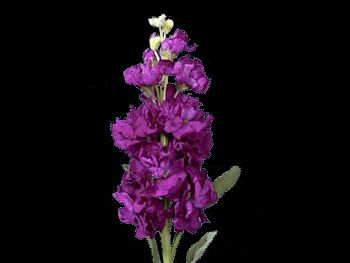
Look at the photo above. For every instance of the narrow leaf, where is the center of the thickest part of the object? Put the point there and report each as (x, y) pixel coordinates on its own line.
(227, 180)
(197, 250)
(175, 244)
(154, 249)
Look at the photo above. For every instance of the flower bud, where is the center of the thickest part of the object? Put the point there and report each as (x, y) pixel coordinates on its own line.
(168, 25)
(157, 21)
(154, 43)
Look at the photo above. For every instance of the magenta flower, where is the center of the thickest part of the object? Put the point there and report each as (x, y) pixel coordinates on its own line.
(180, 119)
(140, 208)
(170, 169)
(198, 194)
(148, 73)
(191, 73)
(178, 42)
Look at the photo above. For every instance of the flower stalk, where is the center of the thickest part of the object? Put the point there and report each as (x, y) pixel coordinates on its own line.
(165, 86)
(166, 238)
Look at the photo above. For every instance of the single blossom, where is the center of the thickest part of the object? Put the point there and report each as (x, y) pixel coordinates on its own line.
(150, 72)
(140, 208)
(197, 195)
(191, 73)
(178, 42)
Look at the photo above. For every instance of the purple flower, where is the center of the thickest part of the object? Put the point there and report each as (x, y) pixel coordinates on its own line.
(189, 210)
(171, 185)
(191, 73)
(181, 119)
(138, 127)
(178, 42)
(149, 57)
(140, 208)
(156, 158)
(150, 73)
(188, 217)
(189, 190)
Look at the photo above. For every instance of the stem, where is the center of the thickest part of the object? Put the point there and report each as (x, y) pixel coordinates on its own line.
(176, 243)
(165, 86)
(166, 239)
(161, 34)
(176, 93)
(157, 56)
(158, 94)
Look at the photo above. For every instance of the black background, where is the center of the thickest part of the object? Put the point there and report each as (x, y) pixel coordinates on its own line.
(239, 49)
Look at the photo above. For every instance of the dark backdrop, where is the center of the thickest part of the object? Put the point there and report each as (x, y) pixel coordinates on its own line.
(236, 48)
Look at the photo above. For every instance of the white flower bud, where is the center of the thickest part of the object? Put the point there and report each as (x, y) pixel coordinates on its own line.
(154, 43)
(157, 21)
(168, 25)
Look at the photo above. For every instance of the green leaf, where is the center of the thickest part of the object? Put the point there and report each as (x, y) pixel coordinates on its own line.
(197, 250)
(154, 249)
(175, 244)
(126, 167)
(227, 180)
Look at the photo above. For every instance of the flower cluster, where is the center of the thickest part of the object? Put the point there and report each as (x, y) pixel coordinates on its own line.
(167, 138)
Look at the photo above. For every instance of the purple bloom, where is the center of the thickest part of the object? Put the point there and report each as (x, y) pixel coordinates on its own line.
(190, 191)
(171, 185)
(188, 211)
(156, 158)
(178, 42)
(150, 73)
(140, 208)
(149, 57)
(191, 72)
(136, 128)
(180, 119)
(188, 217)
(171, 172)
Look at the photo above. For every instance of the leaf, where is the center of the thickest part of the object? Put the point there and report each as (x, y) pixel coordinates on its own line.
(154, 249)
(197, 250)
(175, 244)
(227, 180)
(126, 167)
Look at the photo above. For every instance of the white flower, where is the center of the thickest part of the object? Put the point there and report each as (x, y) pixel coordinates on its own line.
(157, 21)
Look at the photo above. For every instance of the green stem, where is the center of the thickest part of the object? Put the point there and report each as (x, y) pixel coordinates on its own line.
(157, 94)
(176, 243)
(166, 239)
(165, 86)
